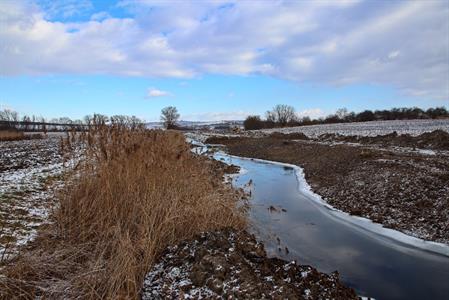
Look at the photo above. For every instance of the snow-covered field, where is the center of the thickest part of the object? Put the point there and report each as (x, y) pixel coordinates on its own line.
(31, 172)
(374, 128)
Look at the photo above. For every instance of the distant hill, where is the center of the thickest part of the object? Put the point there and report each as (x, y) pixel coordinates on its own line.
(198, 124)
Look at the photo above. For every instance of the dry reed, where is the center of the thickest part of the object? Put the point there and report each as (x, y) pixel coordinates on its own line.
(136, 192)
(11, 135)
(14, 135)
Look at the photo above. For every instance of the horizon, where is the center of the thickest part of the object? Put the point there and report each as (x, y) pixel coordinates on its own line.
(221, 60)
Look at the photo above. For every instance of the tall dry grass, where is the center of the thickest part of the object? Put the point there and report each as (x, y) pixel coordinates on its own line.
(136, 192)
(11, 135)
(15, 135)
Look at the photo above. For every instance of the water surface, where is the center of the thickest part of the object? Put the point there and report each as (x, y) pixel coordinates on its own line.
(372, 264)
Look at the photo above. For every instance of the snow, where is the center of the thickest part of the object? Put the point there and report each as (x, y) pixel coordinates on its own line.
(373, 128)
(363, 224)
(30, 176)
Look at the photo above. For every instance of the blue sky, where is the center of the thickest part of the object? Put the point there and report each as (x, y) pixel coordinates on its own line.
(218, 60)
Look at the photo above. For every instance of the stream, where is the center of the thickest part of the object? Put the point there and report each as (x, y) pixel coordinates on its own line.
(379, 263)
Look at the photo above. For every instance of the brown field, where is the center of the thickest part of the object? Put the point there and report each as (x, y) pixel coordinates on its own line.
(136, 192)
(15, 135)
(11, 135)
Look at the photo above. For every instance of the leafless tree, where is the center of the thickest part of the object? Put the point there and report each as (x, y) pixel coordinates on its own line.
(270, 116)
(282, 114)
(342, 113)
(169, 116)
(10, 116)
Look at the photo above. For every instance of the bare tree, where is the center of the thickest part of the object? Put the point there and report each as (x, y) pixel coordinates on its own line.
(10, 116)
(342, 113)
(270, 116)
(26, 120)
(282, 114)
(87, 119)
(169, 116)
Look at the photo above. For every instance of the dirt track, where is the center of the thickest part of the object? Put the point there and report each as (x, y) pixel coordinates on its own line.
(404, 190)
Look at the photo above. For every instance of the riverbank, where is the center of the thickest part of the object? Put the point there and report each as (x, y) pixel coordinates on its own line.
(228, 264)
(400, 188)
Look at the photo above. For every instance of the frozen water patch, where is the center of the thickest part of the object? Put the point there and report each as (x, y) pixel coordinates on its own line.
(358, 222)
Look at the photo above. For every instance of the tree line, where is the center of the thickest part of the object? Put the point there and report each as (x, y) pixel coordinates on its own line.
(285, 116)
(10, 119)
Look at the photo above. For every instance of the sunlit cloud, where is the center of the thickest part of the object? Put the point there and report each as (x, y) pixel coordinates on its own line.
(153, 92)
(327, 42)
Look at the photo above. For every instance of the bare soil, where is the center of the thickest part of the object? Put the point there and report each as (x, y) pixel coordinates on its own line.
(403, 190)
(31, 172)
(228, 264)
(435, 140)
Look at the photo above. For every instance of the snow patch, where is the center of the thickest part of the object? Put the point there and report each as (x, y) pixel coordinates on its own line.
(358, 222)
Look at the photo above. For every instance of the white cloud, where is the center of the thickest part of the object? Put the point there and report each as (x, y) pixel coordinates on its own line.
(216, 116)
(153, 92)
(100, 16)
(394, 54)
(403, 44)
(313, 113)
(65, 8)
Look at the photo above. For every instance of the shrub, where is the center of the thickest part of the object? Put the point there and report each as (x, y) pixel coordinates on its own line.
(253, 123)
(137, 191)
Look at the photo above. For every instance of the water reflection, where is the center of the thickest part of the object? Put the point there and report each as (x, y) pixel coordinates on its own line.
(375, 266)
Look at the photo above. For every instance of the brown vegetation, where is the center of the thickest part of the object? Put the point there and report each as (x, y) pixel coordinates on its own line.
(15, 135)
(11, 135)
(136, 192)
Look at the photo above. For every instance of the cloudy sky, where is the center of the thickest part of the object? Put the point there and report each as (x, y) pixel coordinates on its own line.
(221, 59)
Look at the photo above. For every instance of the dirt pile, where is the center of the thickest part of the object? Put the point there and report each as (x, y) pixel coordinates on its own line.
(436, 140)
(229, 264)
(289, 136)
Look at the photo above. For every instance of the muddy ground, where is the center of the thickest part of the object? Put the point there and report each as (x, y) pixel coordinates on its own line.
(436, 140)
(233, 265)
(31, 172)
(379, 178)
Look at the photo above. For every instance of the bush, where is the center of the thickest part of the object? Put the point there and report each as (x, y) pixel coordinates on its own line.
(137, 191)
(253, 123)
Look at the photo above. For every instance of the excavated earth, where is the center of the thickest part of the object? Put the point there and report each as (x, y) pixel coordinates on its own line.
(401, 182)
(232, 265)
(435, 140)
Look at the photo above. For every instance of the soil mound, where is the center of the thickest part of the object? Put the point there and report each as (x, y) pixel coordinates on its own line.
(228, 264)
(436, 140)
(289, 136)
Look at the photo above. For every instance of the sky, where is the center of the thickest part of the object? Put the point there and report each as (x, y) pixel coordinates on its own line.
(221, 60)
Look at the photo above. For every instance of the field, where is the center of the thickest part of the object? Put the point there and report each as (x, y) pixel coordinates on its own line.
(374, 128)
(31, 172)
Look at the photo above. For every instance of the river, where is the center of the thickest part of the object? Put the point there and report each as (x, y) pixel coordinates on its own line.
(375, 264)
